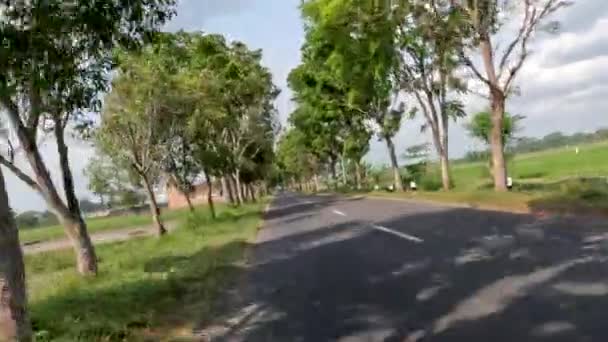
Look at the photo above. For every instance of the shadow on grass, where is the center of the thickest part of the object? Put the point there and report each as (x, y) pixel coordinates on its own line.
(573, 196)
(174, 289)
(201, 220)
(306, 204)
(143, 284)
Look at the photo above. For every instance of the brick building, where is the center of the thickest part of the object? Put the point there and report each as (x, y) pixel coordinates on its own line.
(176, 199)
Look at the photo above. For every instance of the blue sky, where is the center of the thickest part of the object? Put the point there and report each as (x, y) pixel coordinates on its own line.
(564, 85)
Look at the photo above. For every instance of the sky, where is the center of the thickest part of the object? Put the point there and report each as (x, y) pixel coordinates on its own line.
(563, 85)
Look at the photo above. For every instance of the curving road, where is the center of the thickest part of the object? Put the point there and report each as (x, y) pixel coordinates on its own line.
(329, 268)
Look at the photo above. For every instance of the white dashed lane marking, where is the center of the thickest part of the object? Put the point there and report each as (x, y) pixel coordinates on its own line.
(338, 212)
(396, 233)
(387, 230)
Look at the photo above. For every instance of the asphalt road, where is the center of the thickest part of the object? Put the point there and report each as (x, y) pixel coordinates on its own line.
(329, 268)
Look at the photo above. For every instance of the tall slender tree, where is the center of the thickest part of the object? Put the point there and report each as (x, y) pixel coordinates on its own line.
(430, 40)
(483, 22)
(55, 57)
(358, 41)
(135, 121)
(14, 319)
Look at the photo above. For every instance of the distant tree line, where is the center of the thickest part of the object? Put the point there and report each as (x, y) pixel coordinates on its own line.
(369, 66)
(557, 139)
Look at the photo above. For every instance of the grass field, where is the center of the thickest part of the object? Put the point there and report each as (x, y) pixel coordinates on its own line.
(98, 224)
(146, 288)
(553, 180)
(545, 166)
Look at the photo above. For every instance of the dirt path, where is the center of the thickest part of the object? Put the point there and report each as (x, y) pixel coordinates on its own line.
(98, 238)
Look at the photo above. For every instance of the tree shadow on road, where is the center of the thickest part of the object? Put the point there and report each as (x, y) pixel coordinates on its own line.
(478, 276)
(305, 205)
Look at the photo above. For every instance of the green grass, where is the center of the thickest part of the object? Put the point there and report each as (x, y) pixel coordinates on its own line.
(98, 224)
(557, 180)
(145, 287)
(482, 199)
(546, 166)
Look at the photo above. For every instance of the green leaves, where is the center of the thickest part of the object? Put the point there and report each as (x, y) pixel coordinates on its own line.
(345, 77)
(192, 103)
(481, 125)
(62, 50)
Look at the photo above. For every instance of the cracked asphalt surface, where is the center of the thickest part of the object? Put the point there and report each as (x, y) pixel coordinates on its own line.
(330, 268)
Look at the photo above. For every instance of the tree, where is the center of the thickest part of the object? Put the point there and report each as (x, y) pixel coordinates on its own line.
(295, 159)
(356, 146)
(223, 117)
(180, 164)
(99, 173)
(481, 127)
(186, 60)
(417, 152)
(247, 101)
(55, 59)
(27, 219)
(88, 206)
(14, 319)
(430, 41)
(135, 120)
(357, 43)
(114, 184)
(483, 22)
(130, 198)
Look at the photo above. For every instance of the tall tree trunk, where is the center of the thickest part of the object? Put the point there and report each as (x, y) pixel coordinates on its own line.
(394, 164)
(189, 201)
(358, 174)
(227, 190)
(252, 193)
(497, 144)
(334, 177)
(445, 172)
(238, 189)
(154, 209)
(263, 189)
(343, 165)
(497, 102)
(440, 141)
(70, 218)
(210, 195)
(232, 187)
(241, 188)
(14, 319)
(243, 192)
(444, 158)
(315, 178)
(64, 162)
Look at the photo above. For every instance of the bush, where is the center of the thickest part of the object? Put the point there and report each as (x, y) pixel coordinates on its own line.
(531, 174)
(415, 172)
(430, 182)
(589, 189)
(196, 220)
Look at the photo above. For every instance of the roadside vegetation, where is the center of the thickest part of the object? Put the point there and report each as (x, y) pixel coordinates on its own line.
(367, 68)
(146, 287)
(161, 110)
(183, 108)
(555, 180)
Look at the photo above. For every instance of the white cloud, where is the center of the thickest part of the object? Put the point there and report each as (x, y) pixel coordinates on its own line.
(561, 85)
